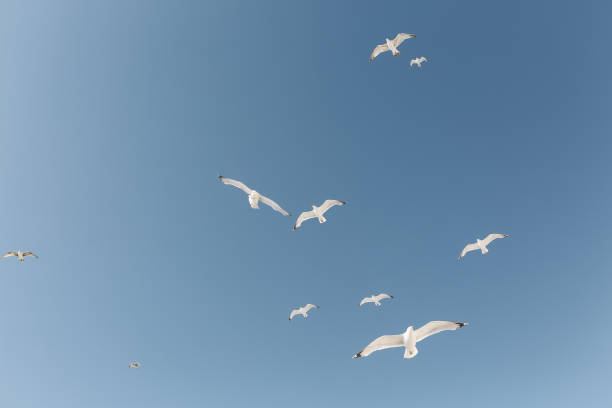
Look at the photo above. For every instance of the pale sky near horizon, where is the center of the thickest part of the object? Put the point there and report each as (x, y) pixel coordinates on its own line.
(116, 117)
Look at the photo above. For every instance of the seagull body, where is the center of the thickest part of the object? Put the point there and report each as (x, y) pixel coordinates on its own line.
(19, 254)
(409, 338)
(375, 299)
(302, 310)
(418, 61)
(317, 212)
(254, 196)
(134, 365)
(481, 244)
(390, 45)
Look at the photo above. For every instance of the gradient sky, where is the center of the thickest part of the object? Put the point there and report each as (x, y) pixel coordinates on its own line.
(116, 116)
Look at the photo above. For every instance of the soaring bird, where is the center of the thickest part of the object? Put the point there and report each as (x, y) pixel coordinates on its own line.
(20, 255)
(409, 338)
(302, 310)
(134, 365)
(254, 196)
(317, 212)
(418, 61)
(375, 299)
(482, 245)
(390, 45)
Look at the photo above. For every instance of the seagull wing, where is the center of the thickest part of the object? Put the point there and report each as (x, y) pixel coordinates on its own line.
(412, 62)
(310, 306)
(491, 237)
(329, 204)
(306, 215)
(383, 296)
(401, 37)
(381, 343)
(235, 183)
(366, 300)
(294, 312)
(379, 49)
(9, 253)
(434, 327)
(468, 248)
(28, 253)
(272, 204)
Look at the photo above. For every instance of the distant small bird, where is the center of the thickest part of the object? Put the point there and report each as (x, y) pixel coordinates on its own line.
(254, 196)
(134, 365)
(375, 299)
(418, 61)
(482, 245)
(317, 212)
(409, 338)
(302, 310)
(391, 45)
(19, 254)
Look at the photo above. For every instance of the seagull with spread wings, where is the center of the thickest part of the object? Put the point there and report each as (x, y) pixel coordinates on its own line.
(482, 245)
(375, 299)
(409, 338)
(390, 45)
(317, 212)
(254, 196)
(302, 310)
(19, 254)
(418, 61)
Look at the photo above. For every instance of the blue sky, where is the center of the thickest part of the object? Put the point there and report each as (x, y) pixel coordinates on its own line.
(116, 117)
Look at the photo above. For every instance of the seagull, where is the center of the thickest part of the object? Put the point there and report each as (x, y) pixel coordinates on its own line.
(418, 61)
(390, 45)
(20, 255)
(254, 196)
(482, 245)
(134, 365)
(302, 310)
(317, 212)
(409, 338)
(375, 299)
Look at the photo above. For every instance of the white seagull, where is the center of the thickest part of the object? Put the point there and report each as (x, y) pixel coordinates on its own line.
(134, 365)
(409, 338)
(302, 310)
(317, 212)
(254, 196)
(390, 45)
(418, 61)
(20, 255)
(482, 245)
(375, 299)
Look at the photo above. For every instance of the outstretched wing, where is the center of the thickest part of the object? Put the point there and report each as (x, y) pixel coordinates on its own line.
(329, 204)
(379, 49)
(303, 217)
(272, 204)
(310, 306)
(383, 296)
(401, 37)
(28, 253)
(9, 253)
(436, 326)
(293, 313)
(366, 300)
(491, 237)
(381, 343)
(235, 183)
(468, 248)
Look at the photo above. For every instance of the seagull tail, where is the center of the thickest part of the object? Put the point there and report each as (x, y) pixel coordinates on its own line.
(485, 250)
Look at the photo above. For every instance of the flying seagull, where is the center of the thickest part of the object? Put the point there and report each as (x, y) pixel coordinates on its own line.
(482, 245)
(390, 45)
(317, 212)
(134, 365)
(254, 196)
(409, 338)
(302, 310)
(19, 254)
(417, 61)
(375, 299)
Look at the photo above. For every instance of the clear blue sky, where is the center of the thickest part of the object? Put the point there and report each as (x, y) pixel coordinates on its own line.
(116, 116)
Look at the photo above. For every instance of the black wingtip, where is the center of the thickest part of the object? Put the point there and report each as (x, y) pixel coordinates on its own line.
(391, 296)
(461, 324)
(357, 355)
(343, 202)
